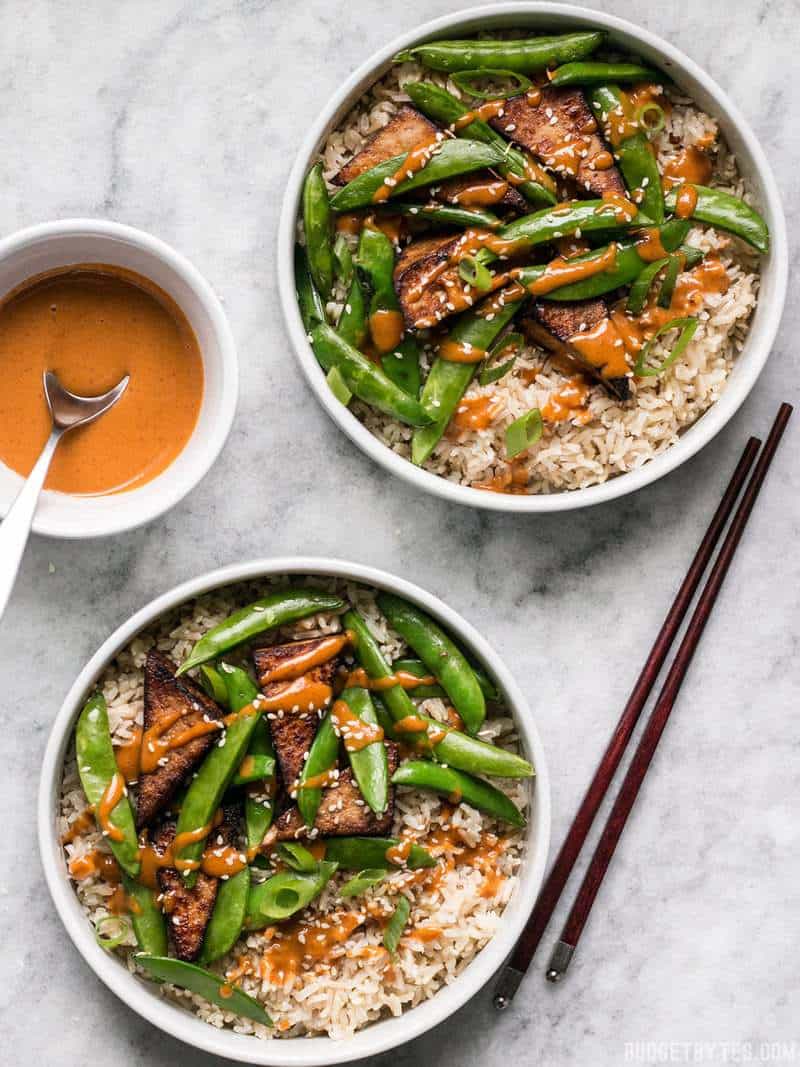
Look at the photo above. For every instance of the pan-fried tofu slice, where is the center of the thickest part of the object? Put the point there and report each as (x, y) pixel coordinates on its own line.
(554, 325)
(561, 132)
(292, 731)
(481, 190)
(421, 278)
(404, 131)
(342, 811)
(189, 911)
(166, 696)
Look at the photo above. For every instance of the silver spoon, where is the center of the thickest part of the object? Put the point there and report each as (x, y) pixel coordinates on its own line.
(67, 412)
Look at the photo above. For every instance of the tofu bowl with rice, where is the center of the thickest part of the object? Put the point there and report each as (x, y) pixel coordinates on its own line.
(533, 253)
(295, 799)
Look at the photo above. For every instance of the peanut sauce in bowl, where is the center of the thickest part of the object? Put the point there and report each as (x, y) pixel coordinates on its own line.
(92, 301)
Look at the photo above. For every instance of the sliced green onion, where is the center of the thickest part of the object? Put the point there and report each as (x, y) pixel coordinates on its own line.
(493, 374)
(396, 925)
(111, 931)
(464, 80)
(297, 857)
(343, 260)
(475, 273)
(363, 881)
(637, 297)
(687, 326)
(524, 432)
(650, 125)
(670, 278)
(338, 386)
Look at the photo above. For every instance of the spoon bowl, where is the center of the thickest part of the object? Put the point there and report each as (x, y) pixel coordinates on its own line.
(69, 410)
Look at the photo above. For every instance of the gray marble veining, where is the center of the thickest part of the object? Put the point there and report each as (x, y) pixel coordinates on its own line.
(183, 118)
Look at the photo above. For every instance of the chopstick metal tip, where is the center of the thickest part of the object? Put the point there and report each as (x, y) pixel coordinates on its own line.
(507, 986)
(559, 961)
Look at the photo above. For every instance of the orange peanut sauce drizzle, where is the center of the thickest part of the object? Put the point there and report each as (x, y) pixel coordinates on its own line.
(386, 328)
(418, 158)
(156, 742)
(563, 271)
(481, 193)
(305, 660)
(94, 863)
(79, 825)
(685, 201)
(128, 756)
(356, 733)
(398, 854)
(567, 402)
(474, 413)
(513, 479)
(359, 679)
(113, 793)
(690, 165)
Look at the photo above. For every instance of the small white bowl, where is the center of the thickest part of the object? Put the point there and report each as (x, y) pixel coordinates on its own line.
(71, 241)
(143, 996)
(542, 16)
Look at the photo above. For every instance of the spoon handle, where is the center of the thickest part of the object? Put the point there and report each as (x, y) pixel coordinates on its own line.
(16, 526)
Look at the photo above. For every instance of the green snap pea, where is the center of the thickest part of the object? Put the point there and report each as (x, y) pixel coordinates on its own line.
(212, 683)
(363, 881)
(258, 812)
(147, 918)
(593, 73)
(353, 326)
(216, 772)
(447, 380)
(227, 918)
(458, 787)
(276, 609)
(726, 212)
(627, 266)
(97, 768)
(297, 857)
(366, 381)
(210, 986)
(360, 853)
(636, 158)
(321, 758)
(401, 366)
(440, 655)
(452, 747)
(369, 764)
(284, 894)
(317, 227)
(312, 310)
(670, 279)
(442, 107)
(343, 260)
(451, 159)
(419, 670)
(254, 768)
(524, 55)
(637, 297)
(396, 925)
(448, 215)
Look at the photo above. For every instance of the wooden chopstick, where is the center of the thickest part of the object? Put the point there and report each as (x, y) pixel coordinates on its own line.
(550, 892)
(576, 921)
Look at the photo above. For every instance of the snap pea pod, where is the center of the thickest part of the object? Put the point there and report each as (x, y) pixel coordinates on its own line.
(321, 758)
(419, 670)
(254, 768)
(401, 366)
(216, 772)
(147, 918)
(317, 227)
(210, 986)
(297, 857)
(258, 812)
(452, 158)
(277, 609)
(352, 326)
(458, 787)
(523, 55)
(726, 212)
(312, 310)
(284, 894)
(549, 224)
(448, 215)
(396, 925)
(451, 746)
(212, 683)
(440, 655)
(447, 380)
(363, 881)
(97, 768)
(375, 264)
(442, 107)
(591, 72)
(369, 764)
(227, 918)
(628, 265)
(343, 261)
(635, 155)
(366, 381)
(637, 297)
(359, 853)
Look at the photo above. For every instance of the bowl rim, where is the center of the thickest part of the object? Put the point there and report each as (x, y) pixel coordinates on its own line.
(699, 433)
(119, 520)
(377, 1037)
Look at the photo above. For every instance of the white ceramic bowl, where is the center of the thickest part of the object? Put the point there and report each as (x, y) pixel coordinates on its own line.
(556, 18)
(69, 241)
(143, 996)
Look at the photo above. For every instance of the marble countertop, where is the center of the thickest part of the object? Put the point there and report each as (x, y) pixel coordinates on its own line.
(183, 118)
